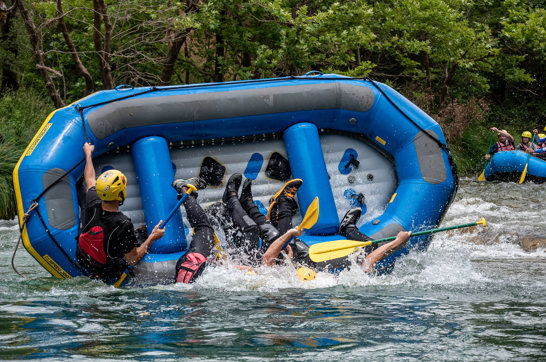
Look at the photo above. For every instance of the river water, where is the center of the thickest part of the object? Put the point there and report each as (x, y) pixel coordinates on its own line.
(471, 296)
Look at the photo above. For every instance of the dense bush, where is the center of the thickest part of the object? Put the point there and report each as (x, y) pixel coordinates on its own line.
(21, 114)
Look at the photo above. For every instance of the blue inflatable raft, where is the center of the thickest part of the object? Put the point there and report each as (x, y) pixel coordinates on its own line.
(508, 166)
(353, 142)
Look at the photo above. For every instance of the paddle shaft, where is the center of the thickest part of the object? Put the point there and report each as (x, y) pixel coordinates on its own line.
(340, 248)
(482, 175)
(489, 148)
(429, 231)
(177, 206)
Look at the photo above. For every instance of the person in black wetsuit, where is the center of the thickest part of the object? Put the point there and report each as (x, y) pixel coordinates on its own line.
(373, 253)
(274, 232)
(192, 264)
(107, 244)
(247, 217)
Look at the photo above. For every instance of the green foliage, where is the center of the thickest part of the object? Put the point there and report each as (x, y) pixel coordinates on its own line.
(9, 155)
(21, 114)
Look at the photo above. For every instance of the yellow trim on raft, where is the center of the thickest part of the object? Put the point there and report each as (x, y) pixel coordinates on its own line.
(392, 198)
(380, 140)
(39, 136)
(21, 210)
(56, 266)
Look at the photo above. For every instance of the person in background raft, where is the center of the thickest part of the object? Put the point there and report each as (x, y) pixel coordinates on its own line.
(526, 145)
(537, 137)
(107, 244)
(506, 143)
(540, 141)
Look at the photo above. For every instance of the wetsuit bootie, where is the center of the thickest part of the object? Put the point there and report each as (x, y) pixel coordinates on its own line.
(286, 209)
(288, 190)
(349, 220)
(180, 184)
(246, 200)
(232, 187)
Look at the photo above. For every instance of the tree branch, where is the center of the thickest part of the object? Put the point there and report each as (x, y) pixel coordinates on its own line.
(89, 85)
(35, 38)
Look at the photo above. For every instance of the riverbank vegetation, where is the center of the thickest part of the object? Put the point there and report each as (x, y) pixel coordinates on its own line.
(469, 64)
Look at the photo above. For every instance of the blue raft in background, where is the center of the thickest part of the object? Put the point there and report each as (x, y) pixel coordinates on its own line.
(352, 142)
(508, 166)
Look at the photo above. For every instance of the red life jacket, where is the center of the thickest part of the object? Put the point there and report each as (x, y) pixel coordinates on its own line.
(90, 250)
(189, 267)
(505, 147)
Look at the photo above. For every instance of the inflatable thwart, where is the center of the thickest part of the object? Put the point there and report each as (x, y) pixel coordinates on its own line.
(353, 142)
(508, 166)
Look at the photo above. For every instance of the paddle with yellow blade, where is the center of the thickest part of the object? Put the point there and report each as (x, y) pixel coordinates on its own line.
(311, 215)
(524, 173)
(482, 175)
(310, 219)
(340, 248)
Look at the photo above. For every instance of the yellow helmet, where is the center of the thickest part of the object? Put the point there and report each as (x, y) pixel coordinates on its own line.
(306, 274)
(527, 134)
(545, 128)
(541, 135)
(503, 131)
(110, 185)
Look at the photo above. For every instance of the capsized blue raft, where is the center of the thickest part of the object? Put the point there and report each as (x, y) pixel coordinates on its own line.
(508, 166)
(354, 142)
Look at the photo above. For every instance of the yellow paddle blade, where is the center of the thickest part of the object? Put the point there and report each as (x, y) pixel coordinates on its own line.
(523, 174)
(334, 249)
(311, 215)
(482, 176)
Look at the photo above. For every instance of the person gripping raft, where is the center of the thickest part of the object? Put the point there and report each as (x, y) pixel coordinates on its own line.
(107, 245)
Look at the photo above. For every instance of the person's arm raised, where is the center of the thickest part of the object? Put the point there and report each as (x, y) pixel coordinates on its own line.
(385, 250)
(89, 170)
(276, 247)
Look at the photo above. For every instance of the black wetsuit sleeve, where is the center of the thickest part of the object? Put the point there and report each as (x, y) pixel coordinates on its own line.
(92, 198)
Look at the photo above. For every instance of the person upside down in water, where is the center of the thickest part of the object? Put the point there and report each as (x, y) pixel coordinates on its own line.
(276, 233)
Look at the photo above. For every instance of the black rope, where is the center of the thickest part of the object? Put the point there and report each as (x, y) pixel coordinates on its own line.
(80, 110)
(58, 245)
(56, 181)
